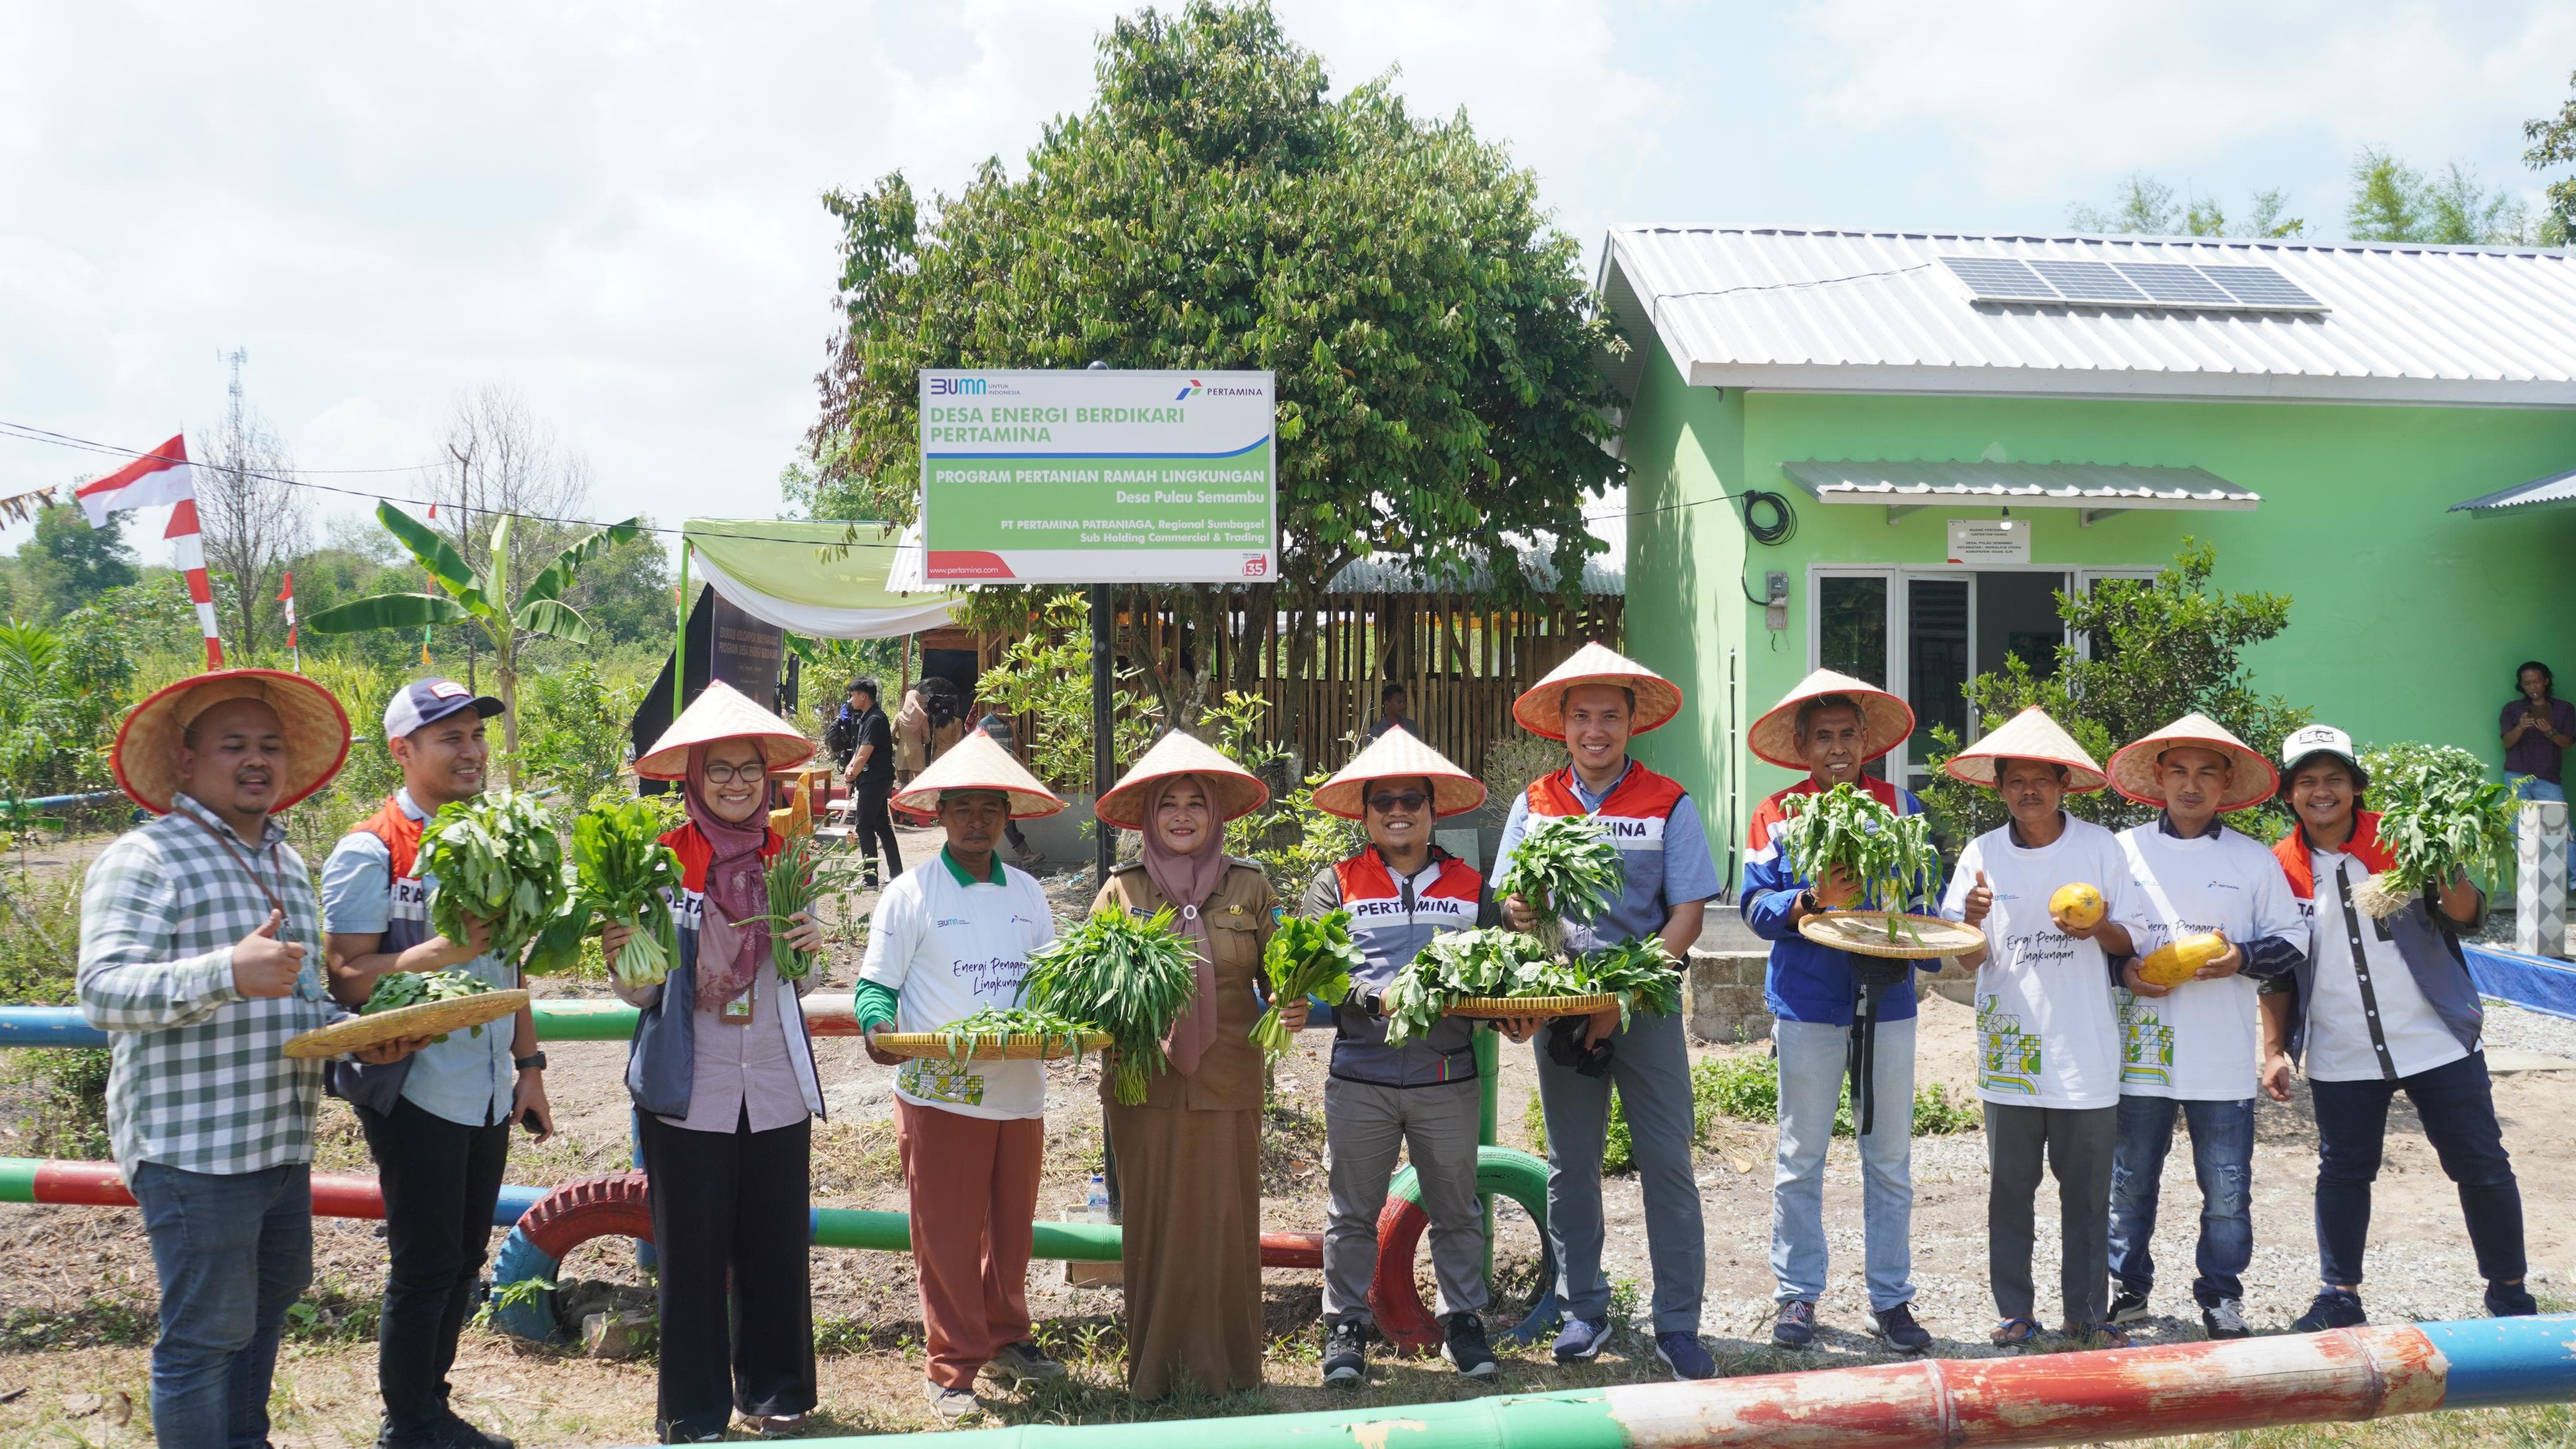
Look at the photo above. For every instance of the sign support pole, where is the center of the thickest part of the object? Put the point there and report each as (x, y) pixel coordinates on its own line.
(1104, 760)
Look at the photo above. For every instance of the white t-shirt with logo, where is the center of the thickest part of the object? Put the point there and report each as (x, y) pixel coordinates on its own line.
(2047, 1032)
(950, 950)
(2338, 1045)
(2199, 1042)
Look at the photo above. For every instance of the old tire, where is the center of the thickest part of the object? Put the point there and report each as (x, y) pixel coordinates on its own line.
(595, 1207)
(1394, 1299)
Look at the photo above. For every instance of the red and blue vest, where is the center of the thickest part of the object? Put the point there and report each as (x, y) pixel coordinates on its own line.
(1391, 921)
(1633, 813)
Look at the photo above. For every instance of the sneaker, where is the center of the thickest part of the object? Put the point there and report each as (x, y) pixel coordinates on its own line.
(777, 1426)
(2225, 1319)
(953, 1406)
(1466, 1349)
(1685, 1356)
(1346, 1350)
(2333, 1308)
(2510, 1300)
(2129, 1307)
(463, 1434)
(1897, 1326)
(437, 1431)
(1023, 1362)
(1795, 1327)
(1581, 1342)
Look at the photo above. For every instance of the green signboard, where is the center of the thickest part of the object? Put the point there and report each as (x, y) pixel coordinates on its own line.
(1099, 476)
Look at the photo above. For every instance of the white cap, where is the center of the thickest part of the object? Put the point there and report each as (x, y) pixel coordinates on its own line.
(2312, 739)
(426, 701)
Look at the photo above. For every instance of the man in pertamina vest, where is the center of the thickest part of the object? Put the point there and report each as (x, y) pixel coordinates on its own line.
(1594, 702)
(1419, 1096)
(2189, 1050)
(438, 1122)
(1830, 726)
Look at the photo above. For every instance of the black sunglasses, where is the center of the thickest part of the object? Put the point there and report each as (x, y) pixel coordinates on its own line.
(1410, 800)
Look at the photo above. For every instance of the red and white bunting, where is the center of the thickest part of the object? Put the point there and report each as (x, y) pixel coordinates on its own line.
(163, 477)
(286, 596)
(188, 553)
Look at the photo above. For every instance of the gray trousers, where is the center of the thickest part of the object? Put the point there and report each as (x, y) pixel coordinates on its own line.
(2077, 1145)
(1650, 1065)
(1364, 1124)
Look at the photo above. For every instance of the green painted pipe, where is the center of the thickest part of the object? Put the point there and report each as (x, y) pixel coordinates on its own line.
(886, 1232)
(18, 1178)
(577, 1020)
(1573, 1419)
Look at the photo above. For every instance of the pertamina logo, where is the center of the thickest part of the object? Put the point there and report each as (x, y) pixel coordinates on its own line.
(1197, 386)
(1184, 393)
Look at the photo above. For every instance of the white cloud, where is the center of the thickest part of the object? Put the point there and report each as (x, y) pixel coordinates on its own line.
(2041, 92)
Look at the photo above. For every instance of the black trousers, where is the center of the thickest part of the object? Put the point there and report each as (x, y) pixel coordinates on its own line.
(875, 824)
(731, 1229)
(440, 1181)
(2456, 1104)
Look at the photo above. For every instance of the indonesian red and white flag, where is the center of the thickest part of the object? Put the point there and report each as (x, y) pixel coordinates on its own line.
(163, 477)
(286, 596)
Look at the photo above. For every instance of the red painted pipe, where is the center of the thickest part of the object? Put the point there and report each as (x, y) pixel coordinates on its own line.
(100, 1184)
(1292, 1250)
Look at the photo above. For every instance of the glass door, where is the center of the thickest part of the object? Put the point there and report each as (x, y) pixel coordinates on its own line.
(1931, 631)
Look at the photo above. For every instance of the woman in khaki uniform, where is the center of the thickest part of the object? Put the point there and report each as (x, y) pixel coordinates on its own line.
(1189, 1158)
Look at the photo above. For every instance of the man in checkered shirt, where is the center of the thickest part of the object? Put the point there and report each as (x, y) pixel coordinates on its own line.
(201, 956)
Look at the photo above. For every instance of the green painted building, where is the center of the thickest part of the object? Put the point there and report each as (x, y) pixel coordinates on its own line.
(1883, 453)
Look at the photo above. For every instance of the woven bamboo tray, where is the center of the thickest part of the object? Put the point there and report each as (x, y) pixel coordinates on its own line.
(1015, 1048)
(1501, 1007)
(430, 1018)
(1864, 933)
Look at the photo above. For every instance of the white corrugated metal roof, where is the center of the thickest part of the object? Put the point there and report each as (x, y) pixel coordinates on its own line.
(1604, 575)
(1821, 310)
(2556, 491)
(2095, 487)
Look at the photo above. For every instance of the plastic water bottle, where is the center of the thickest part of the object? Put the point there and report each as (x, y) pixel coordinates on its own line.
(1096, 1206)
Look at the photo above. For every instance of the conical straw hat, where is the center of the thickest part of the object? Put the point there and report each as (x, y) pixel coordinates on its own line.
(2133, 770)
(978, 762)
(723, 712)
(1397, 755)
(145, 758)
(1541, 707)
(2029, 735)
(1885, 723)
(1177, 753)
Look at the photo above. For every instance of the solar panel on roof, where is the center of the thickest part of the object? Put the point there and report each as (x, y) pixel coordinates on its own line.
(2259, 286)
(2174, 284)
(2001, 279)
(2087, 281)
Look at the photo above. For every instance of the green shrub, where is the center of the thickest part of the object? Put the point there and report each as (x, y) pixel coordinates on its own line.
(39, 942)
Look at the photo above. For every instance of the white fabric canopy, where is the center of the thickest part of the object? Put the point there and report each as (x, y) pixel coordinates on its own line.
(874, 589)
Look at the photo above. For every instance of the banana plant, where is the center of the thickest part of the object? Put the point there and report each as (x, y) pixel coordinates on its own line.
(482, 600)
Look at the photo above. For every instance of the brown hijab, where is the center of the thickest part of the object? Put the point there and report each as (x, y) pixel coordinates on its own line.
(1187, 881)
(733, 938)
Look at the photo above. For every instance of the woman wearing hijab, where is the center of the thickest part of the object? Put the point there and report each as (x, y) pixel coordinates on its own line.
(911, 738)
(723, 1078)
(1189, 1158)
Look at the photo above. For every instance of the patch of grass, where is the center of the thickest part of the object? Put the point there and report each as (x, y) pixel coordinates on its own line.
(39, 942)
(95, 1323)
(1747, 1089)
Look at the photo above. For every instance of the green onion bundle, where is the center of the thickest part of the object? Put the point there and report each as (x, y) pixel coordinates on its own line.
(1308, 956)
(799, 879)
(1132, 977)
(1565, 868)
(1889, 856)
(995, 1026)
(398, 989)
(496, 858)
(2438, 814)
(628, 876)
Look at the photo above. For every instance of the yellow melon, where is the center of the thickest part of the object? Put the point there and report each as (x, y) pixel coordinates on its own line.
(2179, 961)
(2078, 905)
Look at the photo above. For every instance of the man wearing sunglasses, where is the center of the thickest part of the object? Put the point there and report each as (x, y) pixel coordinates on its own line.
(1418, 1095)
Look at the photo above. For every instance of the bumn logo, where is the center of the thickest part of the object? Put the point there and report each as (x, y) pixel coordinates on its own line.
(957, 387)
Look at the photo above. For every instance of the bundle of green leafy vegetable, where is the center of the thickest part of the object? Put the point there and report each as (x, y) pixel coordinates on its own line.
(995, 1026)
(1498, 964)
(801, 876)
(2438, 814)
(397, 989)
(1565, 868)
(626, 875)
(1889, 856)
(497, 858)
(1308, 956)
(1131, 977)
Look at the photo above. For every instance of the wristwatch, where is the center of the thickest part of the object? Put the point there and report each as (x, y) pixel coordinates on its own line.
(1808, 903)
(535, 1063)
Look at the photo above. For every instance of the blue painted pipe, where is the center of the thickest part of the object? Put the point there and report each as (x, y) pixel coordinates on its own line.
(48, 802)
(47, 1026)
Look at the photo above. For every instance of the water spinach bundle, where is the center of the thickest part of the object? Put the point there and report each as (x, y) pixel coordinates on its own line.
(1565, 868)
(2438, 814)
(1131, 976)
(1889, 856)
(1309, 956)
(1495, 963)
(496, 858)
(628, 876)
(995, 1026)
(801, 876)
(398, 989)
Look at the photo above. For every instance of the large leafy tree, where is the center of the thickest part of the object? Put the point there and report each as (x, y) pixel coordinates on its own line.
(2553, 143)
(1440, 396)
(480, 599)
(68, 563)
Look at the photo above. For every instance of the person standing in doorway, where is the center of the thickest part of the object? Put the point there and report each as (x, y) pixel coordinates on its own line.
(911, 737)
(2048, 1036)
(1595, 702)
(1392, 703)
(1830, 726)
(2382, 1007)
(2538, 727)
(996, 726)
(870, 773)
(438, 1122)
(2189, 1050)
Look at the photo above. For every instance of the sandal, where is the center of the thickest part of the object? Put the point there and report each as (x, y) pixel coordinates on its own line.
(2013, 1333)
(2105, 1335)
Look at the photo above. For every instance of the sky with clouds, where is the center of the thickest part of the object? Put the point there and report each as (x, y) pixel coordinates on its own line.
(612, 207)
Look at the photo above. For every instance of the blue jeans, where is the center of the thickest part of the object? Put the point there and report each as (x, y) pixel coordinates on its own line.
(1650, 1065)
(2222, 1157)
(233, 1251)
(1811, 1082)
(2456, 1104)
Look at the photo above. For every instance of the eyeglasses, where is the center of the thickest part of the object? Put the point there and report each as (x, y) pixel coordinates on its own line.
(723, 774)
(1408, 802)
